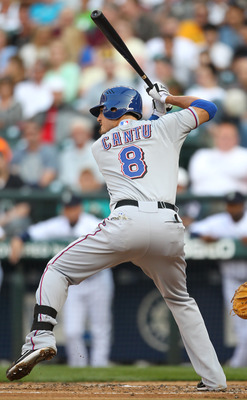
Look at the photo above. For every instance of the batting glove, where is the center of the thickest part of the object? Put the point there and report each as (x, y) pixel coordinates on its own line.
(160, 108)
(159, 92)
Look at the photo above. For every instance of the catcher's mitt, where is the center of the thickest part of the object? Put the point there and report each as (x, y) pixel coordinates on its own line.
(239, 301)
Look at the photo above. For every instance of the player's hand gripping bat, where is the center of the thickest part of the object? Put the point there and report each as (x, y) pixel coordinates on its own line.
(107, 29)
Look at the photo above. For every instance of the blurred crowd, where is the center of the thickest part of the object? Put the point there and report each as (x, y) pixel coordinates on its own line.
(55, 63)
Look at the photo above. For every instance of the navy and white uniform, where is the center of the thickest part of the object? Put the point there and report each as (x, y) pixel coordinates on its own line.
(139, 161)
(233, 272)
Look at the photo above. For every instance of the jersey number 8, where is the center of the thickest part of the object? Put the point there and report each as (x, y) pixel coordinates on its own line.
(132, 162)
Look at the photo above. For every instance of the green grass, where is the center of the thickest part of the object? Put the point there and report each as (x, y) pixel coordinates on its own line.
(63, 373)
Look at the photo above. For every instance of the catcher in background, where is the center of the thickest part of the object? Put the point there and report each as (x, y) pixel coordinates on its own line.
(239, 301)
(230, 224)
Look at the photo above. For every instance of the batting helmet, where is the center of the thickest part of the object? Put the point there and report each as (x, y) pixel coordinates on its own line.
(118, 101)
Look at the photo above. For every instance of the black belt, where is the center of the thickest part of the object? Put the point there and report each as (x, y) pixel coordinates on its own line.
(161, 204)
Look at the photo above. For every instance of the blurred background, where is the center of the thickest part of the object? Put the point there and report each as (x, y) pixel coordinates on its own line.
(54, 65)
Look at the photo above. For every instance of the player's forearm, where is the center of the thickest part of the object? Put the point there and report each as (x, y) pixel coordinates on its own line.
(16, 248)
(181, 101)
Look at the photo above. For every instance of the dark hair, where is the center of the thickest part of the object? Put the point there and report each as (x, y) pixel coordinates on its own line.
(210, 27)
(212, 68)
(240, 52)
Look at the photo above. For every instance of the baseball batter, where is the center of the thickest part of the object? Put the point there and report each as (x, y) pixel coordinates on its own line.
(139, 160)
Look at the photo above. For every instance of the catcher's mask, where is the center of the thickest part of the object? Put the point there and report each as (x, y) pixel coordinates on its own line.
(118, 101)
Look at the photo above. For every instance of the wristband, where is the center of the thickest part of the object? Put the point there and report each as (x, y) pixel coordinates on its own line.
(25, 236)
(205, 105)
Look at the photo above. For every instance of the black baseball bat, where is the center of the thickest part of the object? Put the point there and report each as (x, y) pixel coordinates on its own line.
(107, 29)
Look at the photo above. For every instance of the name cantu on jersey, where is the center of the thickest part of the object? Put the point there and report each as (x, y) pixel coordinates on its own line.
(123, 137)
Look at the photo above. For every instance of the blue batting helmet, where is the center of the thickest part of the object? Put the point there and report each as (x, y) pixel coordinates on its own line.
(118, 101)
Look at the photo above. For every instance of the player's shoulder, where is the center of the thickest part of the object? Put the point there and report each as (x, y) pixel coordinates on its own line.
(210, 220)
(176, 115)
(240, 150)
(244, 219)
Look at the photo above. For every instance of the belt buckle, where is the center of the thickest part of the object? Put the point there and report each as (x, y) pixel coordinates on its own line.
(163, 204)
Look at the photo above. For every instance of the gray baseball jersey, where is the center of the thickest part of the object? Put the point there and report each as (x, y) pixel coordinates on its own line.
(139, 159)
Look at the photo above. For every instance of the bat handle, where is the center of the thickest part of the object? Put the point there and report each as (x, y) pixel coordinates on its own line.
(148, 82)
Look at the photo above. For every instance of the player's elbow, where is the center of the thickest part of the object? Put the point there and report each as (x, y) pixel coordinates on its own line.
(212, 109)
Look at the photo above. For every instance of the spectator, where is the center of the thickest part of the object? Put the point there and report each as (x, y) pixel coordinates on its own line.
(33, 94)
(162, 45)
(6, 51)
(141, 20)
(37, 48)
(14, 216)
(230, 31)
(46, 12)
(56, 121)
(35, 162)
(69, 35)
(221, 169)
(232, 223)
(235, 107)
(65, 20)
(63, 68)
(239, 67)
(88, 181)
(78, 157)
(243, 32)
(88, 302)
(9, 16)
(91, 71)
(15, 69)
(105, 74)
(217, 11)
(10, 109)
(220, 53)
(83, 20)
(188, 209)
(182, 51)
(162, 70)
(192, 29)
(137, 47)
(206, 85)
(26, 29)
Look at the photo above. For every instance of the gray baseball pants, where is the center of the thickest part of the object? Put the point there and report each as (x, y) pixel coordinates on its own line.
(151, 238)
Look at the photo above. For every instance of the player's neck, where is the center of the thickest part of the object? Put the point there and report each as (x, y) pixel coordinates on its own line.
(127, 116)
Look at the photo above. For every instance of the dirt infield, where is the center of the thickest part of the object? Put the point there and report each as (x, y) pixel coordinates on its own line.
(116, 391)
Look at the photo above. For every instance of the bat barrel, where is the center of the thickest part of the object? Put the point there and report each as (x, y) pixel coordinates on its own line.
(110, 33)
(96, 14)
